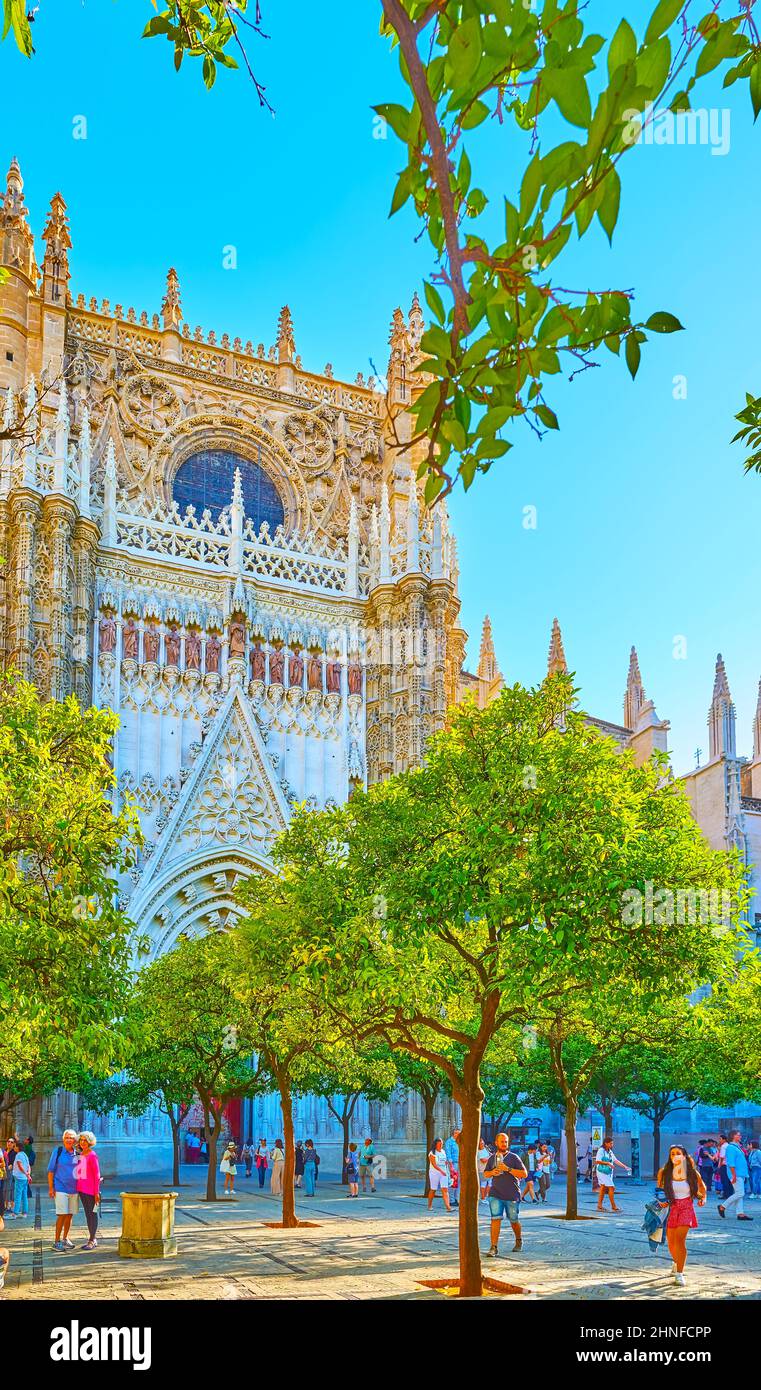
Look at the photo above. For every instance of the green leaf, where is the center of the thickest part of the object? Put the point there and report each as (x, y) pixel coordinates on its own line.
(663, 16)
(652, 66)
(397, 117)
(401, 192)
(663, 322)
(465, 51)
(632, 354)
(475, 114)
(623, 47)
(568, 88)
(434, 301)
(547, 416)
(609, 204)
(755, 88)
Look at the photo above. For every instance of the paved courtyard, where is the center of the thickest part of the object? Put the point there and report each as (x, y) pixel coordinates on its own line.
(376, 1247)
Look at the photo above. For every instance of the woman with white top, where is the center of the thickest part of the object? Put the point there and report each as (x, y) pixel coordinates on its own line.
(438, 1174)
(682, 1185)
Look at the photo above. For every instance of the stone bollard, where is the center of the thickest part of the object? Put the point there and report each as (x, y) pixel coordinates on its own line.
(147, 1225)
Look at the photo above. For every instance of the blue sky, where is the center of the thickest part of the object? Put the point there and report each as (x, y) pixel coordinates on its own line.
(647, 528)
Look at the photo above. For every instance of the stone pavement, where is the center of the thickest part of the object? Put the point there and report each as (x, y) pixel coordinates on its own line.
(376, 1247)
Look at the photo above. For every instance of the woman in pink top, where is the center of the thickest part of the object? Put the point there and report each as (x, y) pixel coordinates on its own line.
(88, 1184)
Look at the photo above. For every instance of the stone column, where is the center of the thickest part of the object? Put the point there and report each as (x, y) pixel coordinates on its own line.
(84, 545)
(25, 511)
(58, 518)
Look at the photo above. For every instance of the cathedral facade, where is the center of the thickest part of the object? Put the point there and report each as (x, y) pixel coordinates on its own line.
(231, 552)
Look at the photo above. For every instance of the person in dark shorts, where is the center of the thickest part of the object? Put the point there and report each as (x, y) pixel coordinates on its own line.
(507, 1171)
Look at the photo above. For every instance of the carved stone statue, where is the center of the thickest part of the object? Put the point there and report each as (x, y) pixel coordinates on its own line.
(172, 646)
(151, 644)
(130, 639)
(107, 635)
(314, 673)
(213, 653)
(296, 669)
(334, 677)
(277, 662)
(355, 678)
(257, 663)
(192, 652)
(237, 639)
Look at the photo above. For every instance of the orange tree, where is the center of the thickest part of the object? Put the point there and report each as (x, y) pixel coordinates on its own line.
(487, 889)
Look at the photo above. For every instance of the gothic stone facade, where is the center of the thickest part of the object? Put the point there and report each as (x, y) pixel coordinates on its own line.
(230, 552)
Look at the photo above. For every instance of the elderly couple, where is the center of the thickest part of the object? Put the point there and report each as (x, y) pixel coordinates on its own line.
(74, 1176)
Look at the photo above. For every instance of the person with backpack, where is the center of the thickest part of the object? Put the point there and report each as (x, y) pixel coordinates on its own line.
(62, 1185)
(311, 1160)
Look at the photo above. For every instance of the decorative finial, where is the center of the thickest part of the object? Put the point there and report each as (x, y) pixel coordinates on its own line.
(171, 308)
(556, 661)
(286, 346)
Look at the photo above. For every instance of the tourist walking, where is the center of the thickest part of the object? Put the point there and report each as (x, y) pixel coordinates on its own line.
(704, 1162)
(352, 1170)
(298, 1167)
(721, 1171)
(262, 1160)
(506, 1171)
(736, 1165)
(22, 1176)
(590, 1159)
(88, 1185)
(544, 1162)
(311, 1160)
(530, 1164)
(438, 1174)
(229, 1167)
(247, 1156)
(62, 1185)
(277, 1158)
(681, 1185)
(5, 1256)
(754, 1170)
(605, 1165)
(452, 1151)
(483, 1156)
(4, 1180)
(367, 1164)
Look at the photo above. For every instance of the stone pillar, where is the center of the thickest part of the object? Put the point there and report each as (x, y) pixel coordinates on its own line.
(25, 511)
(58, 518)
(84, 545)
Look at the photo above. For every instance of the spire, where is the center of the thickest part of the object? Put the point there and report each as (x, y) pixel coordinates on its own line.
(413, 526)
(55, 265)
(352, 568)
(556, 661)
(286, 346)
(721, 716)
(61, 457)
(236, 525)
(108, 521)
(171, 308)
(85, 447)
(634, 698)
(416, 322)
(757, 729)
(487, 660)
(17, 240)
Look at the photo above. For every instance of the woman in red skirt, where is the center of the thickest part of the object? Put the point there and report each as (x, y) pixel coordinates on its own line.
(682, 1186)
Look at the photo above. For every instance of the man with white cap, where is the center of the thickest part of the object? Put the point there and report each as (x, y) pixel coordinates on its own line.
(62, 1184)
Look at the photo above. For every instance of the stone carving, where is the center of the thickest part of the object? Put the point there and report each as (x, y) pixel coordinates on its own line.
(153, 405)
(237, 645)
(277, 662)
(130, 640)
(334, 677)
(258, 661)
(355, 678)
(213, 653)
(314, 673)
(107, 635)
(172, 647)
(296, 669)
(151, 644)
(192, 651)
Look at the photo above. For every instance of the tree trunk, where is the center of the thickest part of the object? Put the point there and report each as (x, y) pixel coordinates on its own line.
(175, 1124)
(607, 1115)
(571, 1185)
(345, 1121)
(289, 1167)
(213, 1132)
(429, 1103)
(469, 1099)
(656, 1141)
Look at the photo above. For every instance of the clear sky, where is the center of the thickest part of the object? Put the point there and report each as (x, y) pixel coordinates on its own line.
(647, 529)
